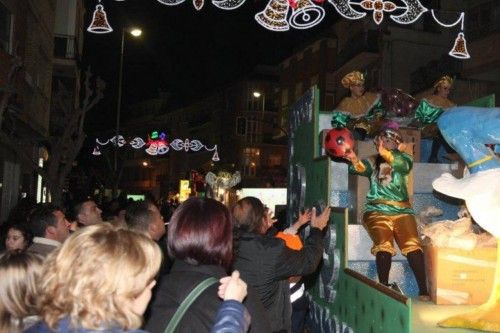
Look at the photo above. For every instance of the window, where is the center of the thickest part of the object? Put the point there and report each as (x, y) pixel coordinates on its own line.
(251, 159)
(274, 160)
(5, 29)
(253, 132)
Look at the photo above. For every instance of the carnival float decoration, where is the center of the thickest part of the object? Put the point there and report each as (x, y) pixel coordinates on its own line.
(469, 130)
(156, 144)
(282, 15)
(221, 182)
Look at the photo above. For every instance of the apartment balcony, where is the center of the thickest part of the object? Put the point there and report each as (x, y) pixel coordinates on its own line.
(64, 47)
(66, 56)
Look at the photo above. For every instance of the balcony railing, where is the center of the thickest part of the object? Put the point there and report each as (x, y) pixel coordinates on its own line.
(64, 47)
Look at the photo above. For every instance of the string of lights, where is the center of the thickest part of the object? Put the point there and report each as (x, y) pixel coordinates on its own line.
(281, 15)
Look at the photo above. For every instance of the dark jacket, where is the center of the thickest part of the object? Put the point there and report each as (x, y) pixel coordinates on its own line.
(64, 327)
(232, 317)
(174, 287)
(265, 263)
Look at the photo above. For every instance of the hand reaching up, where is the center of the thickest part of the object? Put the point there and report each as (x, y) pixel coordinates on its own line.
(304, 218)
(232, 287)
(270, 220)
(320, 221)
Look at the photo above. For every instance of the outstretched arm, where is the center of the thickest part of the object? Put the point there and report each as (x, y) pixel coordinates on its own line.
(358, 166)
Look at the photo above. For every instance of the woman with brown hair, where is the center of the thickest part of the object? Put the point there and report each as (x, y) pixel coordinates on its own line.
(200, 240)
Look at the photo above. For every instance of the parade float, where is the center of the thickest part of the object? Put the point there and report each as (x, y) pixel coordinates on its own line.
(345, 295)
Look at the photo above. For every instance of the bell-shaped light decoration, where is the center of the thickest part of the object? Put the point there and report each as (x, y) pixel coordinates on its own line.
(215, 156)
(306, 15)
(459, 49)
(99, 24)
(198, 4)
(96, 151)
(273, 17)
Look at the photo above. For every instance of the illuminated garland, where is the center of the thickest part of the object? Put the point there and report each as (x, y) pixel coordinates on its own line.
(99, 24)
(280, 15)
(198, 4)
(459, 49)
(157, 144)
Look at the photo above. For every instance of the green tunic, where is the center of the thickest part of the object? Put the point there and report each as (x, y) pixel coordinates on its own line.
(390, 183)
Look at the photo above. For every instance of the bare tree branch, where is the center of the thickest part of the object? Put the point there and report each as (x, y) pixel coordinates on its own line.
(65, 147)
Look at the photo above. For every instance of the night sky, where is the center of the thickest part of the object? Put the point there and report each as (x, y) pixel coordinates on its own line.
(185, 52)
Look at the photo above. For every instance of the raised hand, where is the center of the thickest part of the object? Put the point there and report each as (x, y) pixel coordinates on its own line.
(304, 218)
(320, 221)
(232, 287)
(351, 156)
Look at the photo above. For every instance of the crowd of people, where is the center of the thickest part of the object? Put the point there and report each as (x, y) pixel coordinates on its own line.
(214, 269)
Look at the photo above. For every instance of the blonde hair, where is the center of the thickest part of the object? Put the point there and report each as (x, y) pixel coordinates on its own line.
(444, 80)
(95, 275)
(352, 78)
(19, 272)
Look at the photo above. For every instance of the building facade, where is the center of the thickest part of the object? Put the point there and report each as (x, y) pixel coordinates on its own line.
(30, 33)
(26, 34)
(241, 119)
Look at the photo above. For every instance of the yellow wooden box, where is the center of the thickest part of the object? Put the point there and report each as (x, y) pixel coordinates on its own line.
(458, 276)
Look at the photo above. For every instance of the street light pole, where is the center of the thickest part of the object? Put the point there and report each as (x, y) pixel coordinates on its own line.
(136, 33)
(119, 102)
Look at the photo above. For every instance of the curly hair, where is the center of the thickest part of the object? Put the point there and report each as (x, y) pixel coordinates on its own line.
(95, 275)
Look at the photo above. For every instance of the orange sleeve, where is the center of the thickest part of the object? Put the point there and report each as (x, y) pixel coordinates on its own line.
(292, 241)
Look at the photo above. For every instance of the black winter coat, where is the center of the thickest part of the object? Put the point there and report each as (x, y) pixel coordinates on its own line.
(200, 317)
(265, 263)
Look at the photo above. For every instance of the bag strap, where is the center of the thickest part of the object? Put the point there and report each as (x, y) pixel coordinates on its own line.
(193, 295)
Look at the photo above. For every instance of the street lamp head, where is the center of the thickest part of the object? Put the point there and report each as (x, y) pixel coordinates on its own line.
(256, 94)
(136, 32)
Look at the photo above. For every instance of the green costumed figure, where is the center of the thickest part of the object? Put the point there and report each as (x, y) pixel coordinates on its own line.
(361, 110)
(438, 100)
(388, 214)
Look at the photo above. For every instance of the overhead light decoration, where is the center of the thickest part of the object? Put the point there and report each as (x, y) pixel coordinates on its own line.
(99, 24)
(413, 11)
(198, 4)
(459, 49)
(378, 7)
(305, 14)
(273, 17)
(345, 10)
(157, 144)
(281, 15)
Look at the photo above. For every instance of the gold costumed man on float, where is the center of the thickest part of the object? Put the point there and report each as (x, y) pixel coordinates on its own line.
(439, 98)
(360, 109)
